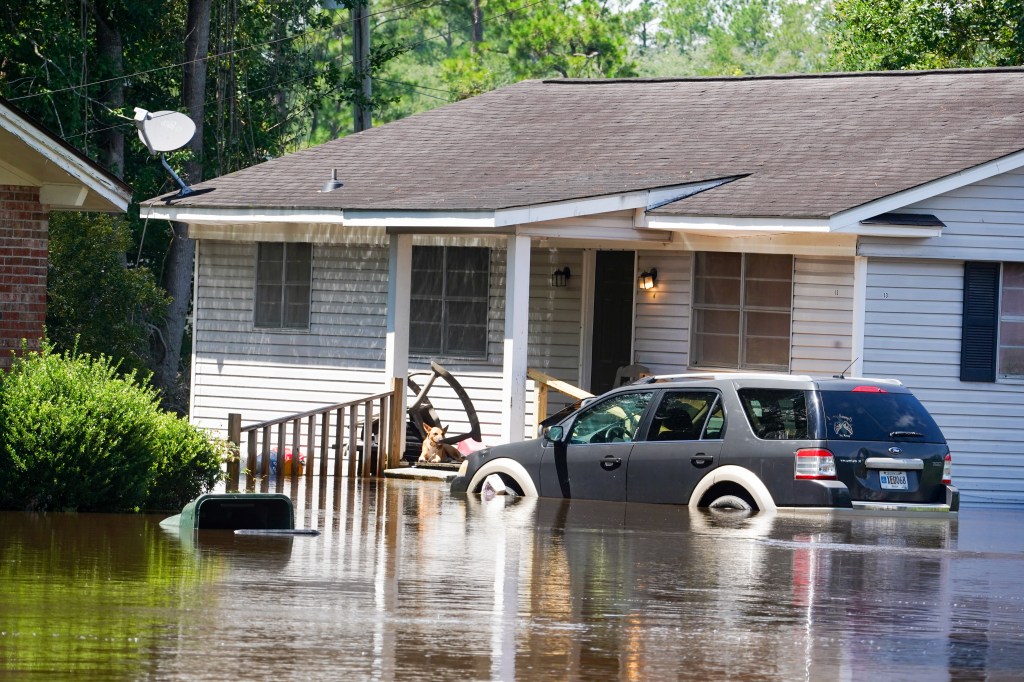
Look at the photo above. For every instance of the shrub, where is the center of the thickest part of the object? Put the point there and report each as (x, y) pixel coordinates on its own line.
(188, 463)
(76, 436)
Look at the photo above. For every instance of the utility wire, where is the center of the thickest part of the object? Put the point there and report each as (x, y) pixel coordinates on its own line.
(212, 56)
(350, 62)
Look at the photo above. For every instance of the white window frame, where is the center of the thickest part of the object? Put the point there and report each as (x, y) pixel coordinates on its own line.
(446, 298)
(281, 287)
(1005, 317)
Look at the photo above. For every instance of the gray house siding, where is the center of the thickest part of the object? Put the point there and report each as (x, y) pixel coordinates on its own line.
(267, 374)
(913, 331)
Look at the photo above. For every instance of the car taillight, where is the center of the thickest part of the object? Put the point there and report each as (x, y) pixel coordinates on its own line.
(947, 470)
(814, 463)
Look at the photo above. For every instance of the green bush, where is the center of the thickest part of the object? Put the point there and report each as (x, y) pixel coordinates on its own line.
(76, 436)
(188, 463)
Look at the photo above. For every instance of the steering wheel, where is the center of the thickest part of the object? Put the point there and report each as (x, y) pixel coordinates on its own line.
(615, 434)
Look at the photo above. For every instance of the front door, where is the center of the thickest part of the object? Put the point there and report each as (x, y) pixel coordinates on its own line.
(612, 335)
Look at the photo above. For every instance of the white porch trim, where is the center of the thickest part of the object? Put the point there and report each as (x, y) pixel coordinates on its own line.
(396, 357)
(514, 359)
(112, 194)
(860, 306)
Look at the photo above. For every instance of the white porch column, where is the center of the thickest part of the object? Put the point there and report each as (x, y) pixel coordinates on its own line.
(396, 359)
(517, 306)
(860, 299)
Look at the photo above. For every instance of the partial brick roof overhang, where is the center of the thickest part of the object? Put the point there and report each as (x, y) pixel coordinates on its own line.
(813, 153)
(33, 156)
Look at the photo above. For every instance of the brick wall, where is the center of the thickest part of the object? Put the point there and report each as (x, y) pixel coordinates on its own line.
(23, 259)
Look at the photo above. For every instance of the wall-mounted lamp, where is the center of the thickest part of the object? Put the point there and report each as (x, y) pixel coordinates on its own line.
(647, 279)
(560, 278)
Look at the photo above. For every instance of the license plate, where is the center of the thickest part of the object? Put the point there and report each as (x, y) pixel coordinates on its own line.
(893, 480)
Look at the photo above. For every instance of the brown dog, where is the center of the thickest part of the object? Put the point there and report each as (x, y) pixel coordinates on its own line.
(434, 451)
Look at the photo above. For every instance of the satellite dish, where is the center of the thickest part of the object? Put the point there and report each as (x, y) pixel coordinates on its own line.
(165, 131)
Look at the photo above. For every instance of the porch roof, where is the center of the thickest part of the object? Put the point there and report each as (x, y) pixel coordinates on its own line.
(808, 147)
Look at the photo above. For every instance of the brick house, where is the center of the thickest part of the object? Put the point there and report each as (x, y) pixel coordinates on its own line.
(39, 173)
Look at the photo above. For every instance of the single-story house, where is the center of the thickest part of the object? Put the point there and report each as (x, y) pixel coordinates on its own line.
(39, 173)
(861, 223)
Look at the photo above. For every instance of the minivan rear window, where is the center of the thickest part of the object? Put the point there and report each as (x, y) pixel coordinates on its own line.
(870, 416)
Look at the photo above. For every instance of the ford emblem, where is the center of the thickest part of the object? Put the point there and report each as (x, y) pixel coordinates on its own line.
(895, 450)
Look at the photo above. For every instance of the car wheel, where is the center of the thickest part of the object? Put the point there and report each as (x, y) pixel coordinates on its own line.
(731, 502)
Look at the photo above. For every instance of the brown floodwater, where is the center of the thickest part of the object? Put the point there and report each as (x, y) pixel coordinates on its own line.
(407, 582)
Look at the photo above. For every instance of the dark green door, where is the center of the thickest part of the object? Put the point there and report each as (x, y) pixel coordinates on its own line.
(613, 317)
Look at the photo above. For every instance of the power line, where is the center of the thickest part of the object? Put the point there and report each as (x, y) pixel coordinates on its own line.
(408, 46)
(212, 56)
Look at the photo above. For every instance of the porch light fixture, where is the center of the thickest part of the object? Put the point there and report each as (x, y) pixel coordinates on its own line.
(647, 279)
(560, 278)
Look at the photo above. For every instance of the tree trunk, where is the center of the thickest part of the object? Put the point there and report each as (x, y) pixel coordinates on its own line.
(181, 253)
(111, 59)
(478, 24)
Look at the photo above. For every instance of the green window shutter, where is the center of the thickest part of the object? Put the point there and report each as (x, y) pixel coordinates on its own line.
(980, 322)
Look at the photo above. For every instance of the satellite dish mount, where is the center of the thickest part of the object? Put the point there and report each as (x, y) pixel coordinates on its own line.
(165, 131)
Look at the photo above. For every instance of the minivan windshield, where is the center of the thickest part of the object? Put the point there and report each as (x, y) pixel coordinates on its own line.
(878, 416)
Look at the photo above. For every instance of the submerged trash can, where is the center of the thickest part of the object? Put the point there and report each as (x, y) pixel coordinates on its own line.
(234, 511)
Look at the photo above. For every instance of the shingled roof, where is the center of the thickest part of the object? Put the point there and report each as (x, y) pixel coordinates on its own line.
(799, 146)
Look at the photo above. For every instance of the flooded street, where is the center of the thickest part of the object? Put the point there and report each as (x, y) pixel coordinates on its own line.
(407, 582)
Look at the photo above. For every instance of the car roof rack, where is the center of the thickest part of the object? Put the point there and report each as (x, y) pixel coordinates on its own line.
(715, 376)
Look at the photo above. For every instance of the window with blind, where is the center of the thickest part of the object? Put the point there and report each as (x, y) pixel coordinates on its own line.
(742, 307)
(448, 311)
(284, 274)
(1011, 322)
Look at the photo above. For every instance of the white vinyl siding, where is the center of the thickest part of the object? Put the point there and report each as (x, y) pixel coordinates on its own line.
(662, 329)
(822, 341)
(265, 374)
(984, 222)
(912, 332)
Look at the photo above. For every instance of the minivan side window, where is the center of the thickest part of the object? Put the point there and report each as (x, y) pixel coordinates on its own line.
(775, 413)
(681, 415)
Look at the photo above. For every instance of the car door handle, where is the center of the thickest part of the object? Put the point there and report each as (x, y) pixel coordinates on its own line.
(610, 462)
(700, 460)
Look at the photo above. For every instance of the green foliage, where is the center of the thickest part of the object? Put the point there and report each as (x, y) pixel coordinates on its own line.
(926, 34)
(188, 463)
(738, 37)
(96, 304)
(74, 435)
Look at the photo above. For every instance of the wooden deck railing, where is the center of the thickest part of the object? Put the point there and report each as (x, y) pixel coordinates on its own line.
(546, 383)
(345, 431)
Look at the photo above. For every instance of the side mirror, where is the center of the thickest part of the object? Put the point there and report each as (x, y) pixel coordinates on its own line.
(554, 434)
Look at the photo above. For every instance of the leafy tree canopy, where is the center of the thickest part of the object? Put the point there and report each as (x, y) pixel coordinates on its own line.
(926, 34)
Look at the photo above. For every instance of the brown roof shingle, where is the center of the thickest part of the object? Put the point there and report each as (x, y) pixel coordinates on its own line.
(808, 146)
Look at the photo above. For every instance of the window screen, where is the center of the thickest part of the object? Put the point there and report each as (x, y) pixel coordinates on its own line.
(448, 314)
(742, 306)
(283, 282)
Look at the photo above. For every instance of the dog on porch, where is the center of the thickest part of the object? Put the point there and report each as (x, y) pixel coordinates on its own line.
(434, 450)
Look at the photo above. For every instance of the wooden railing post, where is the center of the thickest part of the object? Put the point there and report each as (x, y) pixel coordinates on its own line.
(235, 442)
(367, 437)
(325, 427)
(540, 406)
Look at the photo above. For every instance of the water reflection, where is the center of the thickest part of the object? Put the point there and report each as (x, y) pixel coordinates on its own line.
(407, 581)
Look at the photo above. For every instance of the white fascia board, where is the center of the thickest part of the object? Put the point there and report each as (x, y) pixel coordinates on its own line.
(68, 161)
(215, 216)
(421, 219)
(428, 220)
(848, 220)
(726, 225)
(646, 199)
